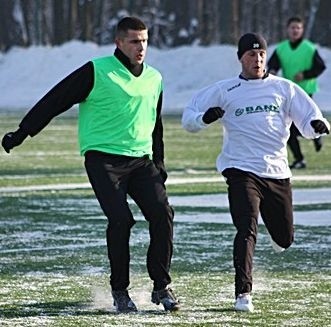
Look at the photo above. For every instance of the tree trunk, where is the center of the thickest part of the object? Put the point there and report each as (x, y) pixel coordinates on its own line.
(58, 22)
(312, 15)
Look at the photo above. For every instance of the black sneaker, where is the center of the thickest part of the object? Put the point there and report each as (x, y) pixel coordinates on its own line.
(123, 302)
(298, 164)
(167, 298)
(318, 143)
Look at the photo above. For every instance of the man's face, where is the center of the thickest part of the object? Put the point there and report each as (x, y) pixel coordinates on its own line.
(253, 63)
(134, 45)
(295, 31)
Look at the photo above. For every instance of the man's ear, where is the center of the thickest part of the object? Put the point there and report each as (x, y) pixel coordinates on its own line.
(117, 41)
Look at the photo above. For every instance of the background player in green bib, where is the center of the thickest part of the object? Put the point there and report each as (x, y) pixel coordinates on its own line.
(301, 63)
(121, 137)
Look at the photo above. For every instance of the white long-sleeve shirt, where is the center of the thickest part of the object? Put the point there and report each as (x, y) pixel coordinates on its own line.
(256, 122)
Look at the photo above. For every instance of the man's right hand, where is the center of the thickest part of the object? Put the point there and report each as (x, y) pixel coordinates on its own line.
(212, 114)
(12, 139)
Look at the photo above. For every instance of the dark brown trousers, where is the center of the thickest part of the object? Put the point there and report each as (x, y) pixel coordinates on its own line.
(249, 196)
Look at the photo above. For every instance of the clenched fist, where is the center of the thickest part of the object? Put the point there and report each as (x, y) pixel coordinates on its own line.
(212, 114)
(319, 127)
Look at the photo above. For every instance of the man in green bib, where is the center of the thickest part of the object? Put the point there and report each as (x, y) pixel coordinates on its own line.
(121, 138)
(301, 63)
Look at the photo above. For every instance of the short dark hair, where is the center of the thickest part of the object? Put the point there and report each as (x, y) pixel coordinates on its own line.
(295, 19)
(129, 23)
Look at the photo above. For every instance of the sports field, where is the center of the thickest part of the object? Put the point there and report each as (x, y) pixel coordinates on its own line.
(54, 269)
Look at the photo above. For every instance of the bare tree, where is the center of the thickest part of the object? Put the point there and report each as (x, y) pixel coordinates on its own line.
(26, 8)
(171, 22)
(207, 20)
(46, 30)
(58, 21)
(314, 4)
(86, 13)
(321, 30)
(10, 27)
(245, 16)
(71, 19)
(235, 21)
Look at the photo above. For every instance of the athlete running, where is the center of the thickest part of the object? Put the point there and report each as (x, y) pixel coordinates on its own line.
(256, 110)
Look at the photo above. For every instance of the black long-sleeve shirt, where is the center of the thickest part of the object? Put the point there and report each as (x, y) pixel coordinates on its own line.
(74, 89)
(317, 67)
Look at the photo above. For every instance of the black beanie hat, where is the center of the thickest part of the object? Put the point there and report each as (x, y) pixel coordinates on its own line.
(251, 41)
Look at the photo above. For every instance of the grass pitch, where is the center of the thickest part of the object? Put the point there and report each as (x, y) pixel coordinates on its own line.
(52, 156)
(54, 268)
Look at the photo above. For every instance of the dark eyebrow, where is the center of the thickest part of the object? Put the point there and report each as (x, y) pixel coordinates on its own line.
(137, 40)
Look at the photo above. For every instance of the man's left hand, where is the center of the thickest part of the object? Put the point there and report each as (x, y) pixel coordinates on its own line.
(319, 126)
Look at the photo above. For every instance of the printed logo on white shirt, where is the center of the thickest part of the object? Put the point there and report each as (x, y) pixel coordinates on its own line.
(256, 109)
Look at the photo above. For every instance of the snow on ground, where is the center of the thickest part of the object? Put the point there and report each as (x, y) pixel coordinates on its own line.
(300, 197)
(26, 74)
(170, 181)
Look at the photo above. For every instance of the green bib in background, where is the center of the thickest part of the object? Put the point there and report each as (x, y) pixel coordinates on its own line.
(297, 60)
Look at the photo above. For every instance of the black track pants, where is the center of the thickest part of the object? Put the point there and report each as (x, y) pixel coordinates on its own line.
(250, 195)
(114, 177)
